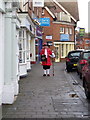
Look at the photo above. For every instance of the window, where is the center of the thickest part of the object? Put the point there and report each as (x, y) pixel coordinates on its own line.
(87, 41)
(27, 48)
(66, 49)
(86, 55)
(70, 31)
(66, 30)
(61, 29)
(20, 33)
(43, 11)
(56, 49)
(62, 50)
(21, 46)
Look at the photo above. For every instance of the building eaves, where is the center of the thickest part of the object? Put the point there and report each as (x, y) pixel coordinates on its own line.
(53, 16)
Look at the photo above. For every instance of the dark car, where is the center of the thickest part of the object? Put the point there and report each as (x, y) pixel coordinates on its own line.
(86, 78)
(82, 61)
(72, 59)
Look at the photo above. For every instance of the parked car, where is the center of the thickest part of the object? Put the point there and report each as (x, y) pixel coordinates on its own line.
(86, 78)
(72, 59)
(82, 61)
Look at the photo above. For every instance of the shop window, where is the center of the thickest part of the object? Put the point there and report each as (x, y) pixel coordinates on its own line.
(27, 55)
(62, 51)
(20, 57)
(61, 29)
(20, 33)
(21, 47)
(56, 49)
(66, 49)
(27, 48)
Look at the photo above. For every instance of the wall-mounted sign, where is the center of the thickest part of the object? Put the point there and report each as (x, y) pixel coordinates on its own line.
(82, 31)
(49, 37)
(64, 37)
(38, 3)
(44, 21)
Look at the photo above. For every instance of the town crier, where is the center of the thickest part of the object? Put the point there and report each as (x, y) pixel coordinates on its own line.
(46, 55)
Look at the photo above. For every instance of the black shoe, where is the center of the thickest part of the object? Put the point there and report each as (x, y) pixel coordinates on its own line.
(44, 74)
(48, 74)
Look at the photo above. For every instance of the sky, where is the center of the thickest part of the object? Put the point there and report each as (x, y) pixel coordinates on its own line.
(83, 14)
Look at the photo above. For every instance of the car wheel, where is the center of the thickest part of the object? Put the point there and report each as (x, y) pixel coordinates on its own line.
(86, 91)
(68, 69)
(77, 72)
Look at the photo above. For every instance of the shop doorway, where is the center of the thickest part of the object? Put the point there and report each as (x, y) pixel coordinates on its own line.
(57, 52)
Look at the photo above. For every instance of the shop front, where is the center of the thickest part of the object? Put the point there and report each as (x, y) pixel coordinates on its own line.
(62, 49)
(25, 37)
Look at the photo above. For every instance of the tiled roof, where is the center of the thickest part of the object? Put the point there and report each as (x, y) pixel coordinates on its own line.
(69, 5)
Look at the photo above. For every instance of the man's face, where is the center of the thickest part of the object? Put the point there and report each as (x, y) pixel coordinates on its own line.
(46, 46)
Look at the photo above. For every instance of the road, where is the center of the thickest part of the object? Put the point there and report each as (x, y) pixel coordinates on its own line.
(78, 83)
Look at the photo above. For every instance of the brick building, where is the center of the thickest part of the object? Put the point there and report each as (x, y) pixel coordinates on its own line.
(83, 42)
(63, 18)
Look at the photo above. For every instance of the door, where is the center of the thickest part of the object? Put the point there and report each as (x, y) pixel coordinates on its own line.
(57, 53)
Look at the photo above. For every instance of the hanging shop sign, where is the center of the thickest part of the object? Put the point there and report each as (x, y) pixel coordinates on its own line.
(64, 37)
(82, 31)
(38, 31)
(44, 21)
(38, 3)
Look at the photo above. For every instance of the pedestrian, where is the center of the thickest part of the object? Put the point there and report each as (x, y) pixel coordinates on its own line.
(46, 55)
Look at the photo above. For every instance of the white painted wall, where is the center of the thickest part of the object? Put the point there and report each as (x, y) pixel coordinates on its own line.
(8, 89)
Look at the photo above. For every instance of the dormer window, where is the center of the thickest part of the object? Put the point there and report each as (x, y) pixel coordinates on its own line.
(43, 11)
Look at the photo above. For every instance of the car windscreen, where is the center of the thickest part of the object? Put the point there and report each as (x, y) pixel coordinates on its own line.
(74, 54)
(86, 55)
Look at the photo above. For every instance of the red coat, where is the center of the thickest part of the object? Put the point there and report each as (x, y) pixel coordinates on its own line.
(49, 52)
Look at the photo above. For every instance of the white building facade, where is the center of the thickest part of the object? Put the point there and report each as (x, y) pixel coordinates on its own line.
(11, 70)
(2, 13)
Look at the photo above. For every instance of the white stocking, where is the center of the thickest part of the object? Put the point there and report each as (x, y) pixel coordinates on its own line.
(48, 70)
(44, 71)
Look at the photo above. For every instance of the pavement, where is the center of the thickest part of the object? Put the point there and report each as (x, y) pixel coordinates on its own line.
(55, 97)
